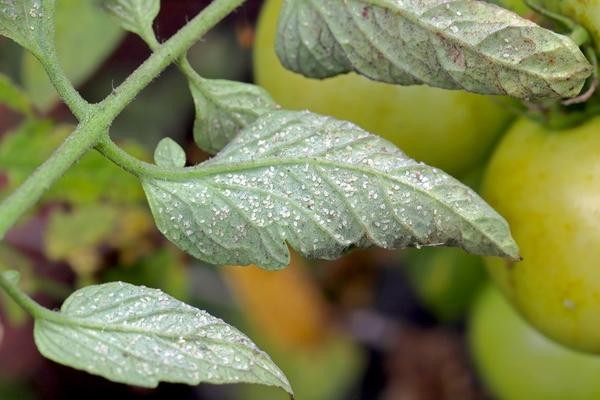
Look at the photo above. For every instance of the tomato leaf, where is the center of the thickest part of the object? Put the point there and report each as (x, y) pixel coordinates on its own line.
(141, 336)
(323, 186)
(452, 44)
(30, 23)
(85, 37)
(135, 16)
(224, 108)
(169, 154)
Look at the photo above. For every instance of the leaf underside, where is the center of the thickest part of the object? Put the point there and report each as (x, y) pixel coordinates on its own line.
(30, 23)
(141, 336)
(134, 16)
(452, 44)
(224, 108)
(322, 186)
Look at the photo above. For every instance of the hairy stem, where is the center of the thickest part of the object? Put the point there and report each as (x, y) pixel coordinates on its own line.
(71, 97)
(96, 119)
(75, 146)
(167, 53)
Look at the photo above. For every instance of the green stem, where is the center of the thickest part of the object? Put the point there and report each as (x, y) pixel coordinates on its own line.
(74, 146)
(26, 302)
(127, 162)
(183, 63)
(96, 119)
(71, 97)
(166, 54)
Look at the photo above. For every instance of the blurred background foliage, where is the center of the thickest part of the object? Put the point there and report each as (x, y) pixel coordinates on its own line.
(372, 325)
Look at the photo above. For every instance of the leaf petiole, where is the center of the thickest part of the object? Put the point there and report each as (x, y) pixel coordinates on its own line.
(21, 298)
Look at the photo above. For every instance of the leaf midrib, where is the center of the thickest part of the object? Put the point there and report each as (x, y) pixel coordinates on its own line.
(414, 18)
(201, 171)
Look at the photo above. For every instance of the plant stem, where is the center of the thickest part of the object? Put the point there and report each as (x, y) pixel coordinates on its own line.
(26, 302)
(166, 54)
(127, 162)
(74, 146)
(71, 97)
(96, 119)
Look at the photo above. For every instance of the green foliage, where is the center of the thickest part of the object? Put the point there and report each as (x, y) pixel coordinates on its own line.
(322, 186)
(140, 336)
(169, 154)
(85, 37)
(224, 108)
(74, 236)
(89, 180)
(471, 45)
(30, 23)
(134, 15)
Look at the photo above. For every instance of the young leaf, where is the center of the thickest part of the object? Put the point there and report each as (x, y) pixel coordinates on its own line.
(140, 336)
(85, 37)
(135, 16)
(169, 154)
(323, 186)
(224, 108)
(452, 44)
(30, 23)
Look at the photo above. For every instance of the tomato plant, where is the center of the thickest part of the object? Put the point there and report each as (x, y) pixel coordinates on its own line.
(463, 130)
(278, 179)
(519, 363)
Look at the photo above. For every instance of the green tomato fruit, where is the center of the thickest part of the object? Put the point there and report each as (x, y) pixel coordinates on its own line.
(518, 363)
(452, 130)
(584, 12)
(517, 6)
(547, 185)
(445, 280)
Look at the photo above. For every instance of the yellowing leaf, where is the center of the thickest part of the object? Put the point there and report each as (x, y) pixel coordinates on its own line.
(74, 236)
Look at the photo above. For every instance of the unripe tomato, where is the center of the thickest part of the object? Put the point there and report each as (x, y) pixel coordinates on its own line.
(451, 130)
(517, 6)
(584, 12)
(547, 185)
(518, 363)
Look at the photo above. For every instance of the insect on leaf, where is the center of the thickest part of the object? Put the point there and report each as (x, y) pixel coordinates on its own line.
(452, 44)
(322, 186)
(141, 336)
